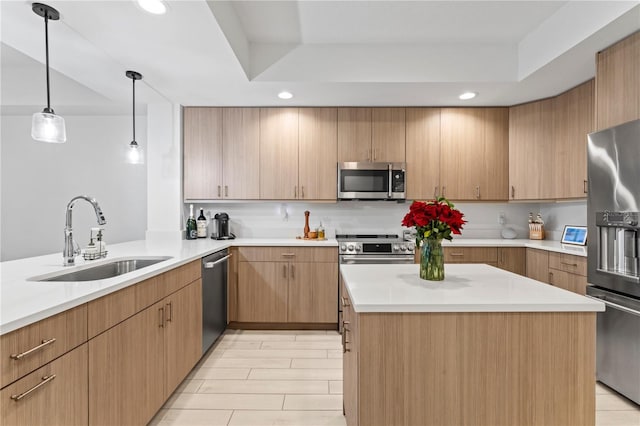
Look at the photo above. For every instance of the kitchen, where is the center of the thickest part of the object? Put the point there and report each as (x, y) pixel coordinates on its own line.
(252, 52)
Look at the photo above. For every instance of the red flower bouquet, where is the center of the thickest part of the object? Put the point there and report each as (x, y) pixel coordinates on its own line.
(436, 219)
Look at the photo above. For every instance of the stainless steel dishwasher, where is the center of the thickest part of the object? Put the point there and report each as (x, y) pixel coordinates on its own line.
(214, 297)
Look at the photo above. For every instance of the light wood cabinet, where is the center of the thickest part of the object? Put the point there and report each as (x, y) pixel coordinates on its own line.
(354, 134)
(202, 136)
(350, 349)
(371, 134)
(423, 153)
(471, 255)
(538, 265)
(278, 153)
(474, 160)
(530, 139)
(318, 154)
(388, 134)
(287, 285)
(562, 270)
(513, 259)
(568, 281)
(183, 338)
(59, 394)
(312, 293)
(262, 291)
(618, 83)
(241, 153)
(126, 370)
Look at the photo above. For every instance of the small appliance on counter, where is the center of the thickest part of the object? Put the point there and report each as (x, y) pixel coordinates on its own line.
(221, 229)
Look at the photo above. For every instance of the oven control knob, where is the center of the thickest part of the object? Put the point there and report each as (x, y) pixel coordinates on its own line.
(396, 247)
(358, 248)
(410, 247)
(343, 247)
(350, 247)
(403, 248)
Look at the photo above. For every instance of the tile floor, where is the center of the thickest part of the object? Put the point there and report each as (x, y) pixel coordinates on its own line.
(293, 378)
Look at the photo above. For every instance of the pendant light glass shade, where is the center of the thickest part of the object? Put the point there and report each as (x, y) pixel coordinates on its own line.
(46, 126)
(135, 153)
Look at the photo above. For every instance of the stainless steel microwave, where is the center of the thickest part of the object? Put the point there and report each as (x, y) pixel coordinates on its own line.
(371, 181)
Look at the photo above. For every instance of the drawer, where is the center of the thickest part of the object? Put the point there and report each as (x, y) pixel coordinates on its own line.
(471, 255)
(568, 281)
(568, 263)
(59, 400)
(179, 277)
(288, 254)
(63, 331)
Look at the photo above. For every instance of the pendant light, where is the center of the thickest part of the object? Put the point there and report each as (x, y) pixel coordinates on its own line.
(46, 126)
(136, 153)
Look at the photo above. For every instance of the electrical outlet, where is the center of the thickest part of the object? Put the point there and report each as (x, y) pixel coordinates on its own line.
(502, 218)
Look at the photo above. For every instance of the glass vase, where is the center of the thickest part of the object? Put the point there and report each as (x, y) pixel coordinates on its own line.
(432, 260)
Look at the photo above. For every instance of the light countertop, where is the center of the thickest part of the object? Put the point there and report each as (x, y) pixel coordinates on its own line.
(466, 288)
(547, 245)
(23, 301)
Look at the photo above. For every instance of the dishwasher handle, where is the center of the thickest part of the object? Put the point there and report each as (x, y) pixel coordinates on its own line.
(615, 305)
(210, 265)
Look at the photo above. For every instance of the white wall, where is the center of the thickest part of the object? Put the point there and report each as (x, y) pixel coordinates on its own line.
(39, 179)
(557, 215)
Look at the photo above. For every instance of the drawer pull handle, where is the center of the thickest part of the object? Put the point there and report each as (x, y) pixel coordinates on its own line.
(345, 303)
(169, 311)
(32, 350)
(45, 380)
(344, 337)
(457, 254)
(161, 312)
(569, 264)
(288, 254)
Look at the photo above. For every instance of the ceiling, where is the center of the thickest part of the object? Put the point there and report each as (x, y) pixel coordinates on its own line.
(325, 52)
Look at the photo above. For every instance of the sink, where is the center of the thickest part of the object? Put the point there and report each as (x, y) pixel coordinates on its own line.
(105, 270)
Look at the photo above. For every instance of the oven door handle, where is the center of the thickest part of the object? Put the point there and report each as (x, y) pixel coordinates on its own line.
(615, 305)
(375, 260)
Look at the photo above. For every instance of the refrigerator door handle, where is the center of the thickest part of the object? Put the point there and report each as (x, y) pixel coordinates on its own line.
(615, 305)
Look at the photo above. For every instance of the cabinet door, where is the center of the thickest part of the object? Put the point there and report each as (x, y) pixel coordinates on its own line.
(423, 153)
(354, 134)
(567, 281)
(388, 134)
(313, 292)
(241, 153)
(262, 291)
(126, 370)
(59, 400)
(350, 344)
(183, 339)
(573, 119)
(494, 182)
(513, 259)
(530, 137)
(538, 265)
(318, 159)
(462, 152)
(278, 153)
(202, 153)
(618, 83)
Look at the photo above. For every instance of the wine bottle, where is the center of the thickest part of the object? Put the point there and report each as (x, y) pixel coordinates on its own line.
(191, 225)
(202, 225)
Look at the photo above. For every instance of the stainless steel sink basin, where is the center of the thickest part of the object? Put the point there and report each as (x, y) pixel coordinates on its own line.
(105, 270)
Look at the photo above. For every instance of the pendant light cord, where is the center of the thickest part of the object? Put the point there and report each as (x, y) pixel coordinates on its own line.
(46, 44)
(134, 109)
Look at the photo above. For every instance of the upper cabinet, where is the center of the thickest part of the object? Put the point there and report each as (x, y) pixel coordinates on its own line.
(221, 153)
(618, 83)
(423, 153)
(318, 153)
(202, 153)
(548, 146)
(371, 134)
(279, 153)
(474, 153)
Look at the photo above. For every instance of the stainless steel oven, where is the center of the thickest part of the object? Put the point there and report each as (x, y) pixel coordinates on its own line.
(371, 181)
(373, 250)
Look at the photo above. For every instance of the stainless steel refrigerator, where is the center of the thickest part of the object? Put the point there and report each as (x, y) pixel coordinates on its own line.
(613, 251)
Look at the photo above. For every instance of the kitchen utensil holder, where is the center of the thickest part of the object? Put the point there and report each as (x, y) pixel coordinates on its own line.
(536, 231)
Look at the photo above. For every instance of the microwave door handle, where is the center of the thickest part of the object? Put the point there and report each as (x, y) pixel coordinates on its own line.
(390, 180)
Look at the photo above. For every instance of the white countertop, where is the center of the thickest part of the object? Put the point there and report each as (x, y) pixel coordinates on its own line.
(466, 288)
(547, 245)
(23, 302)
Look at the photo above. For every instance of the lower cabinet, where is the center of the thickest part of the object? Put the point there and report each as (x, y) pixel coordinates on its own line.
(350, 361)
(286, 285)
(512, 259)
(538, 265)
(55, 394)
(136, 365)
(565, 271)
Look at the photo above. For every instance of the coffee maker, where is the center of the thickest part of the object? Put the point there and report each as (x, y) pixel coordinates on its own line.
(221, 229)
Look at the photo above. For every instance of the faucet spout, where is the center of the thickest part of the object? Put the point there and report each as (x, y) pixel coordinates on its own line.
(69, 253)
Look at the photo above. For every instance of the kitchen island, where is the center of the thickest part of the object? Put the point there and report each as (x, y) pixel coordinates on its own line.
(482, 347)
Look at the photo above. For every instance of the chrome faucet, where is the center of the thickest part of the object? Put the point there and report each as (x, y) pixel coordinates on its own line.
(69, 253)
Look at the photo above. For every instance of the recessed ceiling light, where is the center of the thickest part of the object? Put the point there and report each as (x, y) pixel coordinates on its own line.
(157, 7)
(467, 95)
(285, 95)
